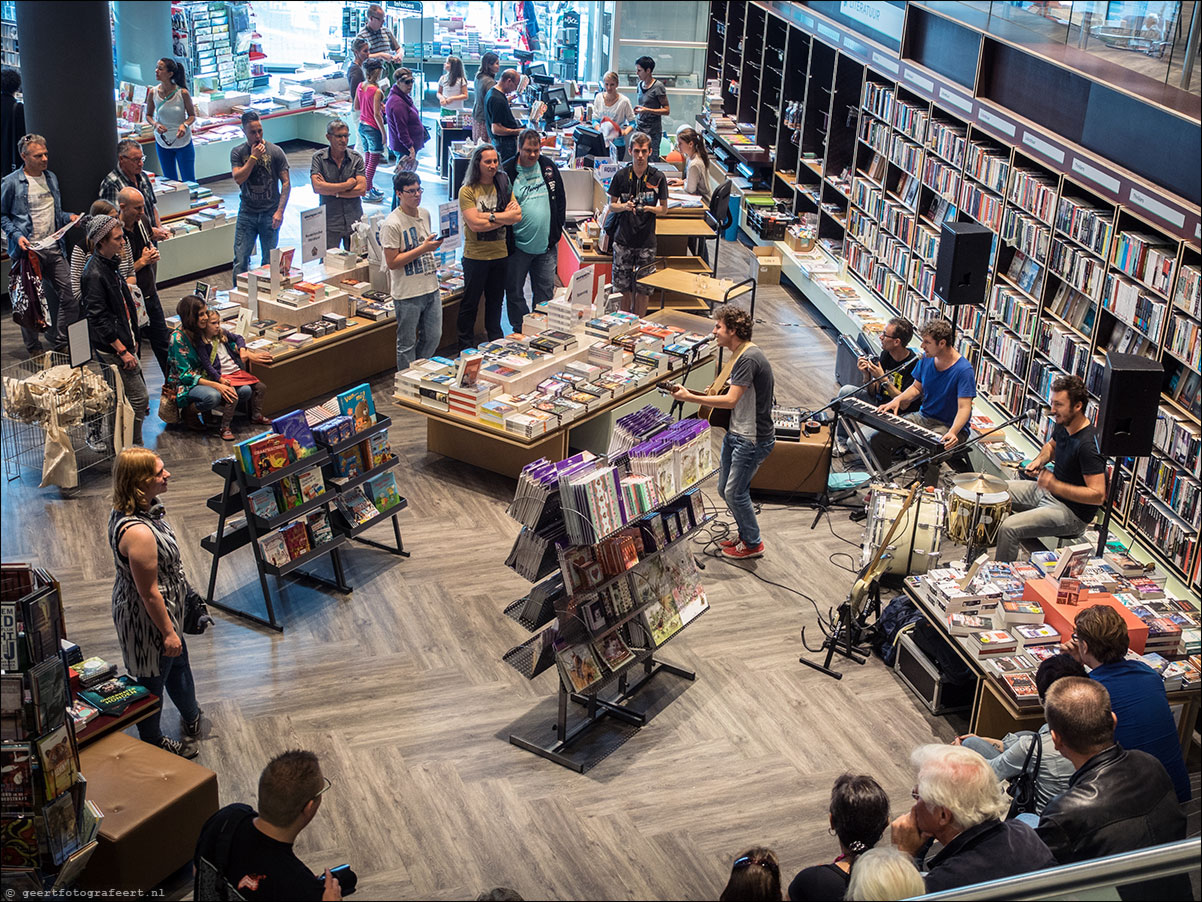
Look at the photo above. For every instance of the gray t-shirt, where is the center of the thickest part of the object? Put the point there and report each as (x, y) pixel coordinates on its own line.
(752, 414)
(403, 232)
(656, 98)
(261, 191)
(1054, 769)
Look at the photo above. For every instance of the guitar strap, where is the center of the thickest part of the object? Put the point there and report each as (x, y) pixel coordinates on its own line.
(727, 368)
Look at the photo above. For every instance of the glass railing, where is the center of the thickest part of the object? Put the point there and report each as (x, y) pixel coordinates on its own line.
(1094, 879)
(1155, 38)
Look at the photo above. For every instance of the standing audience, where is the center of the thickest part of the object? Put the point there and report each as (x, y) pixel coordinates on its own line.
(149, 596)
(406, 134)
(131, 173)
(354, 77)
(452, 87)
(409, 247)
(169, 107)
(112, 316)
(1119, 800)
(609, 104)
(260, 170)
(503, 129)
(31, 209)
(369, 101)
(638, 193)
(859, 814)
(140, 254)
(78, 249)
(338, 176)
(959, 802)
(754, 877)
(489, 207)
(652, 104)
(12, 120)
(486, 77)
(534, 241)
(1137, 695)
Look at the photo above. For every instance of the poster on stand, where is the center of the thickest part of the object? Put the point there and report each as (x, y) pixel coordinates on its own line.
(448, 226)
(313, 234)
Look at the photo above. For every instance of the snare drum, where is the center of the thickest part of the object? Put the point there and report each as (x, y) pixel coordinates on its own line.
(915, 545)
(961, 509)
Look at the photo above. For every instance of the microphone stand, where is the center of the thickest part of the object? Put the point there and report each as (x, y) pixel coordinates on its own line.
(826, 501)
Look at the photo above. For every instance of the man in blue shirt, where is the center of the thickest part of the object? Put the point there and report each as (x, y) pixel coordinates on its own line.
(946, 383)
(533, 242)
(1137, 694)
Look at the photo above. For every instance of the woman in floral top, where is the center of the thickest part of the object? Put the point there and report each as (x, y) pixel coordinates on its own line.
(208, 361)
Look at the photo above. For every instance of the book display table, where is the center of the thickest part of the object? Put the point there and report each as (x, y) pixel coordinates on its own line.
(473, 441)
(994, 712)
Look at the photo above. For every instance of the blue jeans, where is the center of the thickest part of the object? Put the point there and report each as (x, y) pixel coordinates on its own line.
(741, 457)
(178, 162)
(418, 328)
(175, 675)
(1036, 512)
(373, 140)
(252, 226)
(206, 398)
(541, 269)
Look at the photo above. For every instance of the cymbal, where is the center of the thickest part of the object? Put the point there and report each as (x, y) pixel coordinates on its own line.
(979, 483)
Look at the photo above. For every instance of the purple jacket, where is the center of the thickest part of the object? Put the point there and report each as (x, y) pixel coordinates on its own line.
(405, 128)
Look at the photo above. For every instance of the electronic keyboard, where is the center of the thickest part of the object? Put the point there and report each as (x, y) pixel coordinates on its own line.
(919, 436)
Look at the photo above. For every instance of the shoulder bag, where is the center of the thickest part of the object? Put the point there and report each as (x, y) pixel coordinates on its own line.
(1022, 787)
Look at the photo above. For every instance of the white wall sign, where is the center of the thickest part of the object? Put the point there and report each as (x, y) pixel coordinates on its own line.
(955, 99)
(1048, 150)
(997, 122)
(921, 80)
(884, 18)
(1152, 205)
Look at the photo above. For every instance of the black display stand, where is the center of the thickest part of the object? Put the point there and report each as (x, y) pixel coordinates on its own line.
(632, 676)
(234, 497)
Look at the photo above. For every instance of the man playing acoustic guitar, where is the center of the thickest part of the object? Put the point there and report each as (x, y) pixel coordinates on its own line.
(750, 436)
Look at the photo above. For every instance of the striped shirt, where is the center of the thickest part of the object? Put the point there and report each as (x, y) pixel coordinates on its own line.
(379, 41)
(116, 180)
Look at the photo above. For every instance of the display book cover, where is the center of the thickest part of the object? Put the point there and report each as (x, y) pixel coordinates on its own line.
(384, 492)
(295, 427)
(357, 404)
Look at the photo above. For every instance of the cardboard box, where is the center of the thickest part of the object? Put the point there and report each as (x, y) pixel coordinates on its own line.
(765, 266)
(1062, 617)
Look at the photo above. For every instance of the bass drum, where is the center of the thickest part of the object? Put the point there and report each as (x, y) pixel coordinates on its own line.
(915, 546)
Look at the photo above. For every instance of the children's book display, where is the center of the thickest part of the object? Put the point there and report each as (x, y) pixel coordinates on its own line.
(605, 541)
(315, 480)
(48, 824)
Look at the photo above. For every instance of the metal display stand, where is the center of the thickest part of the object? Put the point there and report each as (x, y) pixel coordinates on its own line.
(235, 497)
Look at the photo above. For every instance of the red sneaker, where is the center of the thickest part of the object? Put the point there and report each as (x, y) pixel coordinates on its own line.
(743, 551)
(729, 543)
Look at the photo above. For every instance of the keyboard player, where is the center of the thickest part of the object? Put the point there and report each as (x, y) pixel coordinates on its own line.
(895, 358)
(946, 383)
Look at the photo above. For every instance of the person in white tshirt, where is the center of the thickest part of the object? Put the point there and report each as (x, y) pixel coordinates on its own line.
(409, 247)
(30, 211)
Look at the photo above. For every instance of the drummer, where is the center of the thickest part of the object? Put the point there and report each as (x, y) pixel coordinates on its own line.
(1063, 503)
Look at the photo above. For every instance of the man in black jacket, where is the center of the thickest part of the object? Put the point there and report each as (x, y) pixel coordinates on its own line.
(533, 242)
(1118, 800)
(112, 316)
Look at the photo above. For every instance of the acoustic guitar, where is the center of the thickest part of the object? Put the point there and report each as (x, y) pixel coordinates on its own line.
(715, 416)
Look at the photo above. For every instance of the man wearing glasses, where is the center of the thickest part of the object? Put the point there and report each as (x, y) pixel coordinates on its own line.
(130, 173)
(409, 250)
(381, 42)
(339, 178)
(254, 851)
(895, 358)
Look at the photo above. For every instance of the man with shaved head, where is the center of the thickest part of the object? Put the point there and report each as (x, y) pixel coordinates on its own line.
(502, 127)
(1118, 800)
(142, 254)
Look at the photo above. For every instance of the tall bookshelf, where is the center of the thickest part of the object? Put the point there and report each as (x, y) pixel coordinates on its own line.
(1087, 257)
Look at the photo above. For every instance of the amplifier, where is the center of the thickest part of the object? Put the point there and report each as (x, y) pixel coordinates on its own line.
(925, 681)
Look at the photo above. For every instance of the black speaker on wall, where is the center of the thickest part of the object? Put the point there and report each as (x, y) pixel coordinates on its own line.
(1130, 401)
(963, 263)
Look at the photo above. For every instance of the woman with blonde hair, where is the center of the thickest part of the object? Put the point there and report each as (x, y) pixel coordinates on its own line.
(149, 593)
(885, 873)
(609, 104)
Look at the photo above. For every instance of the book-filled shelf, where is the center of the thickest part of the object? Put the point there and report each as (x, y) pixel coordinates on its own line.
(48, 823)
(317, 479)
(605, 541)
(1087, 258)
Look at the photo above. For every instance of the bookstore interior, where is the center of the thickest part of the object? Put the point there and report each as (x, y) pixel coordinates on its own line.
(966, 240)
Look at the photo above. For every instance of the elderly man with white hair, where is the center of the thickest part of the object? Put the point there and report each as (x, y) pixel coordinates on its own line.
(959, 802)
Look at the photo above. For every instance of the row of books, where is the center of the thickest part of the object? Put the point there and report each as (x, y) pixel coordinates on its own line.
(290, 492)
(297, 538)
(373, 451)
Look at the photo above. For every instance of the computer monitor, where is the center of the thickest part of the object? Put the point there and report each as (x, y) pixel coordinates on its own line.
(589, 142)
(536, 69)
(558, 108)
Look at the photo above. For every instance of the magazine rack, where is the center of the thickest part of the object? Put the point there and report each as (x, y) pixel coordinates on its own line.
(343, 484)
(550, 601)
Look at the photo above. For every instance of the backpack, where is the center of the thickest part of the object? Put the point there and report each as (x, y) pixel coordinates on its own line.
(887, 632)
(213, 853)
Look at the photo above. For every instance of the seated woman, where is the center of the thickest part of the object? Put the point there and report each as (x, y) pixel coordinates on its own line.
(696, 160)
(207, 360)
(859, 815)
